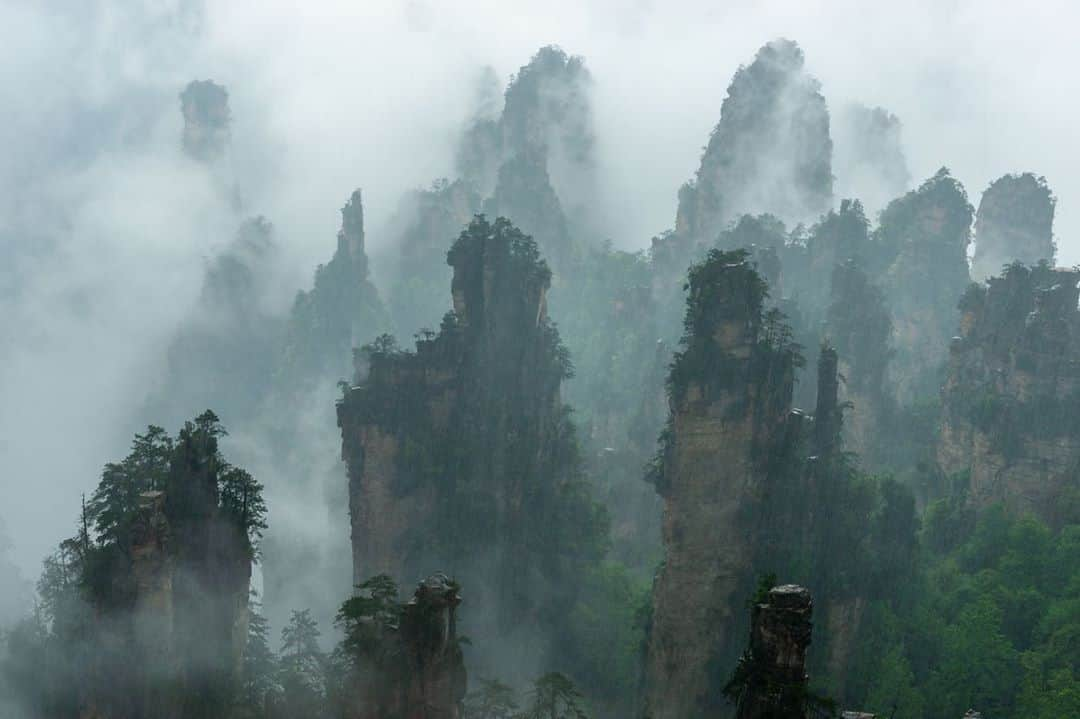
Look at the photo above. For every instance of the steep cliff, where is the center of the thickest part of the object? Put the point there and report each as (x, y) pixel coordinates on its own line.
(771, 151)
(753, 486)
(461, 453)
(1013, 393)
(919, 260)
(168, 577)
(730, 391)
(1015, 223)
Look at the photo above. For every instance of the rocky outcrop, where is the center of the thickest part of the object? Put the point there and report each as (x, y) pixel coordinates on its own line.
(409, 659)
(461, 453)
(919, 259)
(1010, 404)
(168, 579)
(774, 666)
(205, 107)
(730, 395)
(1015, 223)
(770, 153)
(752, 485)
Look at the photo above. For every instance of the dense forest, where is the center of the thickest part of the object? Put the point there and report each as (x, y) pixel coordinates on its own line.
(798, 458)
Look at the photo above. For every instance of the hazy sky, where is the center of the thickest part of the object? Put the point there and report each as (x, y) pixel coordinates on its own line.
(105, 226)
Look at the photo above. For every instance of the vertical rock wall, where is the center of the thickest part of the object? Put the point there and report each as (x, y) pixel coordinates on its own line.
(1013, 393)
(730, 393)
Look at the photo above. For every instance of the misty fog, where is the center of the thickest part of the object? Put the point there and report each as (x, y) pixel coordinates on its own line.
(109, 228)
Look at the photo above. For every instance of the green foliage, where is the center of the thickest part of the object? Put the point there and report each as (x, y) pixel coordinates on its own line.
(605, 630)
(491, 699)
(114, 504)
(259, 687)
(990, 621)
(554, 696)
(302, 672)
(368, 615)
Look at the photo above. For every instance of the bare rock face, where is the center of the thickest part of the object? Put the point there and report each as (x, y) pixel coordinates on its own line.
(1013, 393)
(780, 630)
(770, 153)
(730, 394)
(205, 106)
(1015, 223)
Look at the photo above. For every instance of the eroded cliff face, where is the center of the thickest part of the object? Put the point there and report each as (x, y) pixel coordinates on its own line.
(1013, 393)
(730, 393)
(1015, 223)
(461, 453)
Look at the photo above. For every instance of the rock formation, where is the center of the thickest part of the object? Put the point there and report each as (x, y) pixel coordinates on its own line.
(461, 453)
(919, 259)
(730, 392)
(772, 673)
(535, 162)
(205, 106)
(1013, 393)
(1015, 223)
(770, 153)
(427, 221)
(341, 311)
(169, 582)
(524, 194)
(859, 326)
(869, 159)
(408, 662)
(547, 111)
(752, 485)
